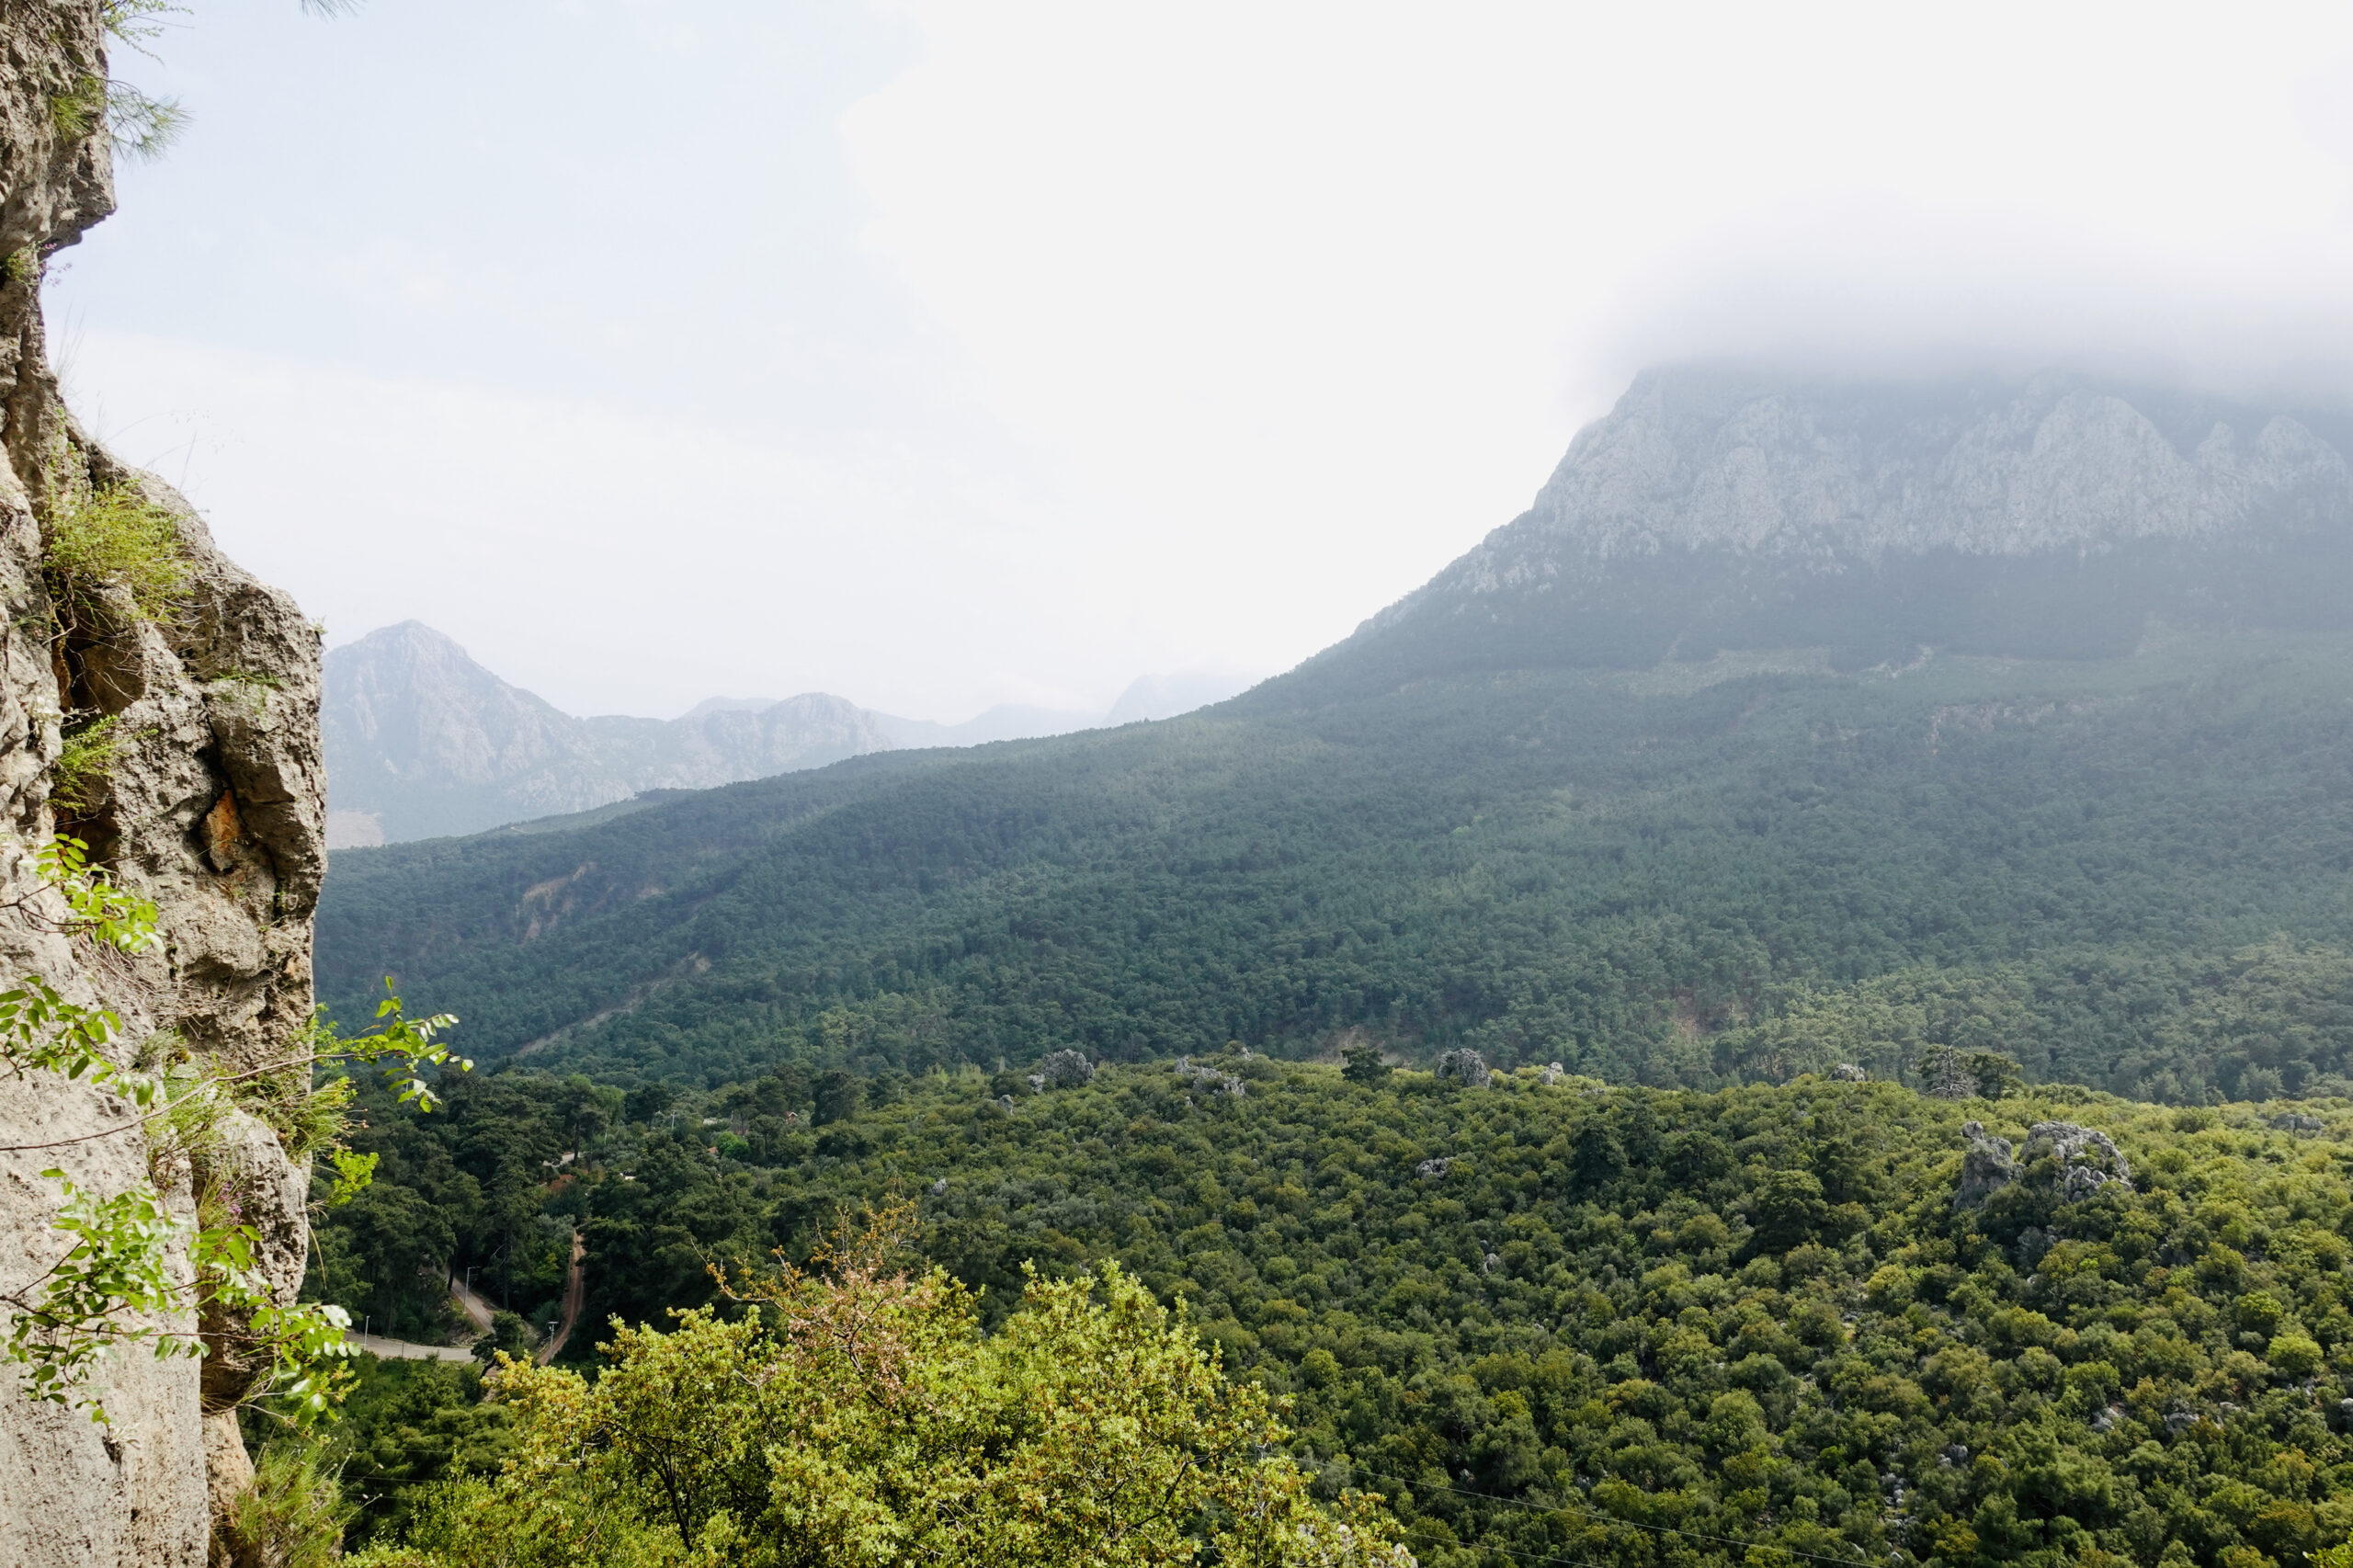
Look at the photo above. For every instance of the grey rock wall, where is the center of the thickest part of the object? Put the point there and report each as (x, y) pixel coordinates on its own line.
(214, 808)
(1829, 474)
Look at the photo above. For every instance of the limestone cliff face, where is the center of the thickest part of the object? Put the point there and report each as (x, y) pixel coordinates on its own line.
(213, 808)
(2051, 518)
(1826, 474)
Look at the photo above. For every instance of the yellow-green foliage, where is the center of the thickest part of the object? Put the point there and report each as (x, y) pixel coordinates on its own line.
(865, 1419)
(1756, 1314)
(78, 107)
(115, 547)
(1553, 1320)
(293, 1515)
(81, 765)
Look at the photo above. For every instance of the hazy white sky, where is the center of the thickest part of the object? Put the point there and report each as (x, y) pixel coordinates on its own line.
(940, 354)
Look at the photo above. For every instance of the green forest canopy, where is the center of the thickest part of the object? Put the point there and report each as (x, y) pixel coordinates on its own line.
(2128, 873)
(860, 1416)
(1614, 1326)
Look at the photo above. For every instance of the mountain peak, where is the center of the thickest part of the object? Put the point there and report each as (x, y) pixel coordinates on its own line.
(711, 705)
(2053, 516)
(422, 741)
(1833, 471)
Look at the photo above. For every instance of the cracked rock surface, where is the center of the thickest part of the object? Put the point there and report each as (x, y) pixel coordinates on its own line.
(212, 807)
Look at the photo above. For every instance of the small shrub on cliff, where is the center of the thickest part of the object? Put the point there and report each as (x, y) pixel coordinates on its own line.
(115, 1275)
(115, 539)
(81, 766)
(293, 1515)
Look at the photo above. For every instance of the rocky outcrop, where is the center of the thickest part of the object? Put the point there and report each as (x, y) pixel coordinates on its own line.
(1830, 473)
(2073, 1161)
(211, 806)
(1465, 1067)
(1062, 1070)
(1212, 1080)
(1716, 510)
(2088, 1159)
(1987, 1165)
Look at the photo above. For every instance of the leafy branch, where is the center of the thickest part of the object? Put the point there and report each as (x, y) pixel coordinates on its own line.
(100, 908)
(116, 1279)
(141, 126)
(118, 1267)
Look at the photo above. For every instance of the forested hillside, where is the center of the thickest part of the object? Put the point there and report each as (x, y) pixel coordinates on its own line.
(1548, 1319)
(2128, 873)
(1885, 842)
(1795, 723)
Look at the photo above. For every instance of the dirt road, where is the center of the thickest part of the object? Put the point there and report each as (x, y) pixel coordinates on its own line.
(575, 1289)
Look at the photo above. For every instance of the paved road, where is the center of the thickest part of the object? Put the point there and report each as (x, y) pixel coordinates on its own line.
(477, 1310)
(408, 1350)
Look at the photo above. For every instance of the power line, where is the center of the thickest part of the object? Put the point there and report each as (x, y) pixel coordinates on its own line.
(1612, 1518)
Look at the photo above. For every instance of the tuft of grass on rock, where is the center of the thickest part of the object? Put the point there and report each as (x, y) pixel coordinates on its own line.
(115, 541)
(81, 765)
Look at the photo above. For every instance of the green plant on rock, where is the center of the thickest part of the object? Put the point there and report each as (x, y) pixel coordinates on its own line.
(82, 764)
(293, 1514)
(137, 22)
(109, 550)
(142, 127)
(77, 106)
(115, 1284)
(116, 1274)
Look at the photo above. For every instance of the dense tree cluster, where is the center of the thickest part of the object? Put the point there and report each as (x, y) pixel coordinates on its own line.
(475, 1189)
(2125, 873)
(859, 1417)
(1626, 1326)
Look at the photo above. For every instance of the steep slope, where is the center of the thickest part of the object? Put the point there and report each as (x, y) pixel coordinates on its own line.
(1715, 511)
(423, 741)
(210, 804)
(1493, 818)
(1006, 721)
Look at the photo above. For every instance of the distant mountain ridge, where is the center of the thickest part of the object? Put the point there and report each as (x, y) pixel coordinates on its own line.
(1716, 509)
(422, 741)
(1695, 772)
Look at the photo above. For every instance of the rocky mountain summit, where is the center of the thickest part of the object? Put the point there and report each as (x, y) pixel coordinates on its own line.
(1715, 509)
(422, 741)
